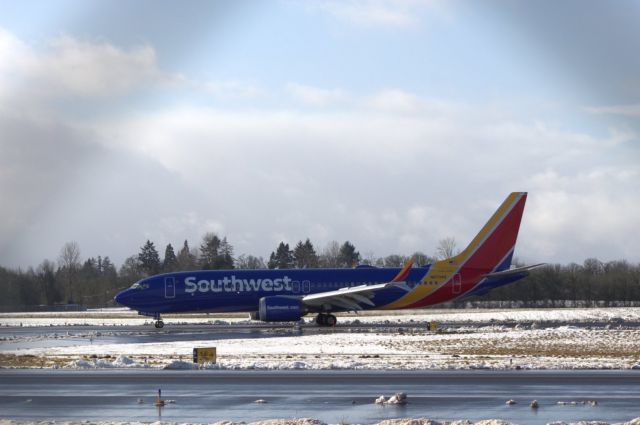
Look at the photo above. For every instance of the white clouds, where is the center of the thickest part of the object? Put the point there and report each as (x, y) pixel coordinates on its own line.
(586, 215)
(390, 170)
(631, 110)
(71, 67)
(373, 13)
(15, 57)
(13, 51)
(367, 13)
(314, 96)
(403, 181)
(396, 101)
(233, 89)
(95, 69)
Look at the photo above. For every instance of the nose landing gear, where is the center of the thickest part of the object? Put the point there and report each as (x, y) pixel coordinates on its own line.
(159, 324)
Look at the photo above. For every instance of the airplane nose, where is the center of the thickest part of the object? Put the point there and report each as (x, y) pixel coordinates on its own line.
(121, 297)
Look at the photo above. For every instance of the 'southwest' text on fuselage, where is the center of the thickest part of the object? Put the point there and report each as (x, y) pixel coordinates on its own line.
(233, 284)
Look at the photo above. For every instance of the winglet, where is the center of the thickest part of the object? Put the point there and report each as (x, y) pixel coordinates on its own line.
(402, 276)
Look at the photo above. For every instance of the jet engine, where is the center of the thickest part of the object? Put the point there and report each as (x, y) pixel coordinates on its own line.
(280, 308)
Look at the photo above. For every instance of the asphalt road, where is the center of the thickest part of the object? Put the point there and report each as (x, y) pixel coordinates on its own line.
(334, 397)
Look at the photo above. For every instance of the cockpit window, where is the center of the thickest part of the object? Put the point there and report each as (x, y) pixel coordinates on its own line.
(139, 285)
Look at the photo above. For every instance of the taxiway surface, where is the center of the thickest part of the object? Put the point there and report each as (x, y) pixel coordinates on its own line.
(334, 397)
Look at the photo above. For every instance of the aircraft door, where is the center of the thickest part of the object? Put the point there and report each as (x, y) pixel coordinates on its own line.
(169, 287)
(457, 283)
(306, 286)
(295, 286)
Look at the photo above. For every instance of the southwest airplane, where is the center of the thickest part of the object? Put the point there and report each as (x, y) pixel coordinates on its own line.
(288, 294)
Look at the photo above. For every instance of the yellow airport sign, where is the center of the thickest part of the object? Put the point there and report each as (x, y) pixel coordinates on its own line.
(204, 355)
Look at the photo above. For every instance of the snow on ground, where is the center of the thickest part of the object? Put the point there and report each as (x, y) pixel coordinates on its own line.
(539, 339)
(486, 349)
(309, 421)
(482, 348)
(538, 315)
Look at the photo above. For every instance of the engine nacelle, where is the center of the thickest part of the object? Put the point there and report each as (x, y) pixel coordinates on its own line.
(280, 308)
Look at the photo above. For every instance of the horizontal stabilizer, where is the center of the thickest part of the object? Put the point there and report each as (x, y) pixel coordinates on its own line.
(510, 272)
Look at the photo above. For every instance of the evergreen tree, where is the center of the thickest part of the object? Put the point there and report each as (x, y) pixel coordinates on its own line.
(224, 259)
(46, 275)
(186, 260)
(108, 282)
(89, 268)
(272, 264)
(149, 258)
(170, 262)
(348, 256)
(28, 289)
(299, 255)
(209, 251)
(304, 255)
(97, 284)
(282, 258)
(108, 268)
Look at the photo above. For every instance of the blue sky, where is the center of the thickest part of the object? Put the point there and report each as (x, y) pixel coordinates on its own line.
(392, 124)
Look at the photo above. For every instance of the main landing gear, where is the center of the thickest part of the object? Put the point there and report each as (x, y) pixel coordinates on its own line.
(323, 319)
(159, 324)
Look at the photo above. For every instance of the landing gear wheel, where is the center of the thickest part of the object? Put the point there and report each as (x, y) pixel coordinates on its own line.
(159, 324)
(326, 319)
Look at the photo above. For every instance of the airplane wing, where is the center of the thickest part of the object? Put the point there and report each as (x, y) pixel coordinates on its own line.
(510, 272)
(354, 297)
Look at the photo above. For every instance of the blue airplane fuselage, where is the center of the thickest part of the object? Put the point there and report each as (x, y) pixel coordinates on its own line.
(219, 291)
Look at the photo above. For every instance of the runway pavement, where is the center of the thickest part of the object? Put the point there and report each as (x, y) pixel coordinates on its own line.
(17, 337)
(334, 397)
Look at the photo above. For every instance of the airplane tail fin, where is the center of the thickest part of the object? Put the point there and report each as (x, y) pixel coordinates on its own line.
(492, 248)
(489, 252)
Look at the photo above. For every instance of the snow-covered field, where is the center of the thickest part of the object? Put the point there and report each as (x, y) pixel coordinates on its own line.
(495, 339)
(490, 348)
